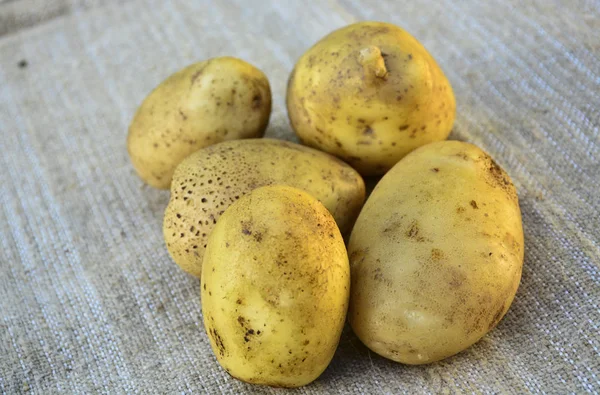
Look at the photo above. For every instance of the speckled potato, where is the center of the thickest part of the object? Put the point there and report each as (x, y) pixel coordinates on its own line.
(275, 287)
(436, 254)
(208, 181)
(206, 103)
(369, 93)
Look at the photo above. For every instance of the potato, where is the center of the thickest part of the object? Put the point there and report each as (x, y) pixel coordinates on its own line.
(369, 93)
(275, 287)
(436, 254)
(206, 103)
(208, 181)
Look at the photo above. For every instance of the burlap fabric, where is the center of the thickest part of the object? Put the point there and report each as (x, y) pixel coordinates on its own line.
(90, 301)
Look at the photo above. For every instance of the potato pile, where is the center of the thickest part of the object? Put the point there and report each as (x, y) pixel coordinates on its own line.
(433, 258)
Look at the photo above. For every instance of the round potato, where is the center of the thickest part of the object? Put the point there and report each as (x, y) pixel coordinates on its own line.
(436, 254)
(369, 93)
(275, 287)
(206, 103)
(208, 181)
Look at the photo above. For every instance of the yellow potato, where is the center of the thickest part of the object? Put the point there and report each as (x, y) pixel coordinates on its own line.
(208, 181)
(436, 254)
(369, 93)
(275, 287)
(206, 103)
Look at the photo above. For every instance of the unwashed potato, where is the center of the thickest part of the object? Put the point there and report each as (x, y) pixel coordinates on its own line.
(275, 286)
(436, 254)
(208, 181)
(369, 93)
(206, 103)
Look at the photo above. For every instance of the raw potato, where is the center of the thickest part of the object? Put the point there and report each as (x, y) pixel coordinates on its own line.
(208, 181)
(275, 287)
(369, 93)
(436, 254)
(206, 103)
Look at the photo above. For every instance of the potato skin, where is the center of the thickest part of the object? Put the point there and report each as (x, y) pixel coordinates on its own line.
(337, 103)
(208, 181)
(275, 287)
(436, 254)
(208, 102)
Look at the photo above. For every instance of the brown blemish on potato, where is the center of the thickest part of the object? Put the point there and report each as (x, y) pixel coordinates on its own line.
(460, 209)
(497, 317)
(413, 232)
(256, 101)
(435, 170)
(246, 228)
(368, 131)
(403, 127)
(196, 75)
(474, 204)
(393, 226)
(183, 116)
(462, 155)
(218, 341)
(358, 256)
(379, 277)
(437, 254)
(457, 278)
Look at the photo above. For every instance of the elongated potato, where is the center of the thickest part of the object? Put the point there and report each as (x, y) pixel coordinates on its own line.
(436, 254)
(208, 181)
(275, 285)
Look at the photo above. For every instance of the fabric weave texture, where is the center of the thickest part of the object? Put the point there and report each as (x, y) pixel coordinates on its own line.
(90, 301)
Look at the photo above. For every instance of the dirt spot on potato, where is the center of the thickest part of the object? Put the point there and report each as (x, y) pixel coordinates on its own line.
(392, 226)
(414, 233)
(456, 278)
(379, 277)
(246, 228)
(256, 101)
(403, 127)
(460, 209)
(358, 256)
(437, 254)
(462, 155)
(197, 74)
(474, 204)
(218, 341)
(497, 317)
